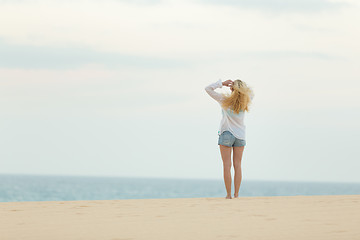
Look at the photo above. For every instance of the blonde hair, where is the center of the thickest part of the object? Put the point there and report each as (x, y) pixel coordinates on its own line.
(239, 99)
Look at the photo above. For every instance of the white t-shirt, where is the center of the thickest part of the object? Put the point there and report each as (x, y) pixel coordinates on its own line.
(230, 120)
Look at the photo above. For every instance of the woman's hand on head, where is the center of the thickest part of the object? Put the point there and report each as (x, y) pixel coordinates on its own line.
(227, 83)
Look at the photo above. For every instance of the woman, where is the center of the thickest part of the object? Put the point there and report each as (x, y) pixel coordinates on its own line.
(232, 129)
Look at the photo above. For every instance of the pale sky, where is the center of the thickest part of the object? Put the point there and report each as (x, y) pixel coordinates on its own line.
(116, 88)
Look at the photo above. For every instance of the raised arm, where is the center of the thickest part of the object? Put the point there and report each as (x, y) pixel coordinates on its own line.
(210, 89)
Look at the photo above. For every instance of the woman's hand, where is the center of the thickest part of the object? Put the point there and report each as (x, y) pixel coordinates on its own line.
(227, 83)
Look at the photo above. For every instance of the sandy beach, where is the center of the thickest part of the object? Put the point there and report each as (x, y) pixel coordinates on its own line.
(285, 217)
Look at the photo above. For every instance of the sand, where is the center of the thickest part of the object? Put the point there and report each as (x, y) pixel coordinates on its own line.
(285, 217)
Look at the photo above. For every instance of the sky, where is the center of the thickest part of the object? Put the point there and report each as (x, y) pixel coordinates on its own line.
(116, 87)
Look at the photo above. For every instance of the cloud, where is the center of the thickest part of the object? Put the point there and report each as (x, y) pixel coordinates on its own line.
(134, 2)
(73, 57)
(141, 2)
(287, 54)
(45, 57)
(280, 5)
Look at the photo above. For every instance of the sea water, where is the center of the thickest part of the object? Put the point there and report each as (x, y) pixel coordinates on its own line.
(15, 188)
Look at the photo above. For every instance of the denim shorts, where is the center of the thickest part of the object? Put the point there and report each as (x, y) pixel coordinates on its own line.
(228, 139)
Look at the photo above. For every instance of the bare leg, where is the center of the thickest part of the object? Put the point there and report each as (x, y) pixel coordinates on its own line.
(226, 158)
(237, 156)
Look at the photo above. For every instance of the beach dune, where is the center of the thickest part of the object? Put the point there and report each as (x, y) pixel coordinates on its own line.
(283, 217)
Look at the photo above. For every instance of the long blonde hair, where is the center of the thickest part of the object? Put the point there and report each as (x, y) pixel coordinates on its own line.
(239, 99)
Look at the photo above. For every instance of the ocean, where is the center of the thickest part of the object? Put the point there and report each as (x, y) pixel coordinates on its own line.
(15, 188)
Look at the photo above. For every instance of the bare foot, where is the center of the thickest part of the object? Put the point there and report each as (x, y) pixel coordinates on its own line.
(228, 197)
(236, 195)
